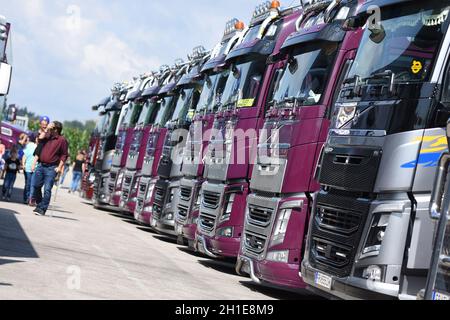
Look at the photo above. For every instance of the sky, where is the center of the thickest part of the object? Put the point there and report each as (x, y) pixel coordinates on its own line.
(66, 55)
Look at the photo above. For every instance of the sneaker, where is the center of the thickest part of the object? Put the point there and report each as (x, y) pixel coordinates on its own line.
(39, 212)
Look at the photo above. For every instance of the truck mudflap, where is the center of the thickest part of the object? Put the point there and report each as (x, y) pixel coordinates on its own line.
(348, 288)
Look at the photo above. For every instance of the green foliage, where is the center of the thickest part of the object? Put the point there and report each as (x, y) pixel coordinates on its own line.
(78, 140)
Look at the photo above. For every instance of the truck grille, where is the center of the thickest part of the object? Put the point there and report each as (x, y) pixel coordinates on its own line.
(142, 188)
(341, 221)
(207, 222)
(330, 253)
(125, 195)
(336, 231)
(255, 243)
(260, 216)
(343, 166)
(211, 199)
(185, 193)
(159, 194)
(182, 213)
(128, 180)
(157, 211)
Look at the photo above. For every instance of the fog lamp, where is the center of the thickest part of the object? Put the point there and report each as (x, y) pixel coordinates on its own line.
(278, 256)
(373, 273)
(226, 232)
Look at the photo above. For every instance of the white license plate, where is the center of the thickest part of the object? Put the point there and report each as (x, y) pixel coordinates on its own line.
(180, 229)
(440, 296)
(153, 222)
(323, 280)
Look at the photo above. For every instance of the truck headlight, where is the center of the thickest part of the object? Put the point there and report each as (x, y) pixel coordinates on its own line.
(373, 273)
(119, 179)
(92, 178)
(281, 227)
(278, 256)
(226, 232)
(227, 213)
(197, 203)
(151, 187)
(376, 235)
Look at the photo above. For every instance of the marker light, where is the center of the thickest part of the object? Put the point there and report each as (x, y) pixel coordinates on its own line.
(239, 25)
(275, 4)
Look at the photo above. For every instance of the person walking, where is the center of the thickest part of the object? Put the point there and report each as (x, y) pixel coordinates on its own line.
(51, 163)
(77, 172)
(27, 165)
(12, 167)
(66, 170)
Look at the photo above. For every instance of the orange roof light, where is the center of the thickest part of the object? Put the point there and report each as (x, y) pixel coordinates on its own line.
(239, 25)
(275, 4)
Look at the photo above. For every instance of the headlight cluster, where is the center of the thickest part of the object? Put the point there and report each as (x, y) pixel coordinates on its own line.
(92, 178)
(226, 232)
(149, 194)
(227, 213)
(120, 179)
(278, 256)
(281, 227)
(376, 235)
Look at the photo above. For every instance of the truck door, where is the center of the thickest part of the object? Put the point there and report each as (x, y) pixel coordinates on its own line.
(438, 282)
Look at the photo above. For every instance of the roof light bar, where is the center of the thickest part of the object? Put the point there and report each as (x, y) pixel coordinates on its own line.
(263, 10)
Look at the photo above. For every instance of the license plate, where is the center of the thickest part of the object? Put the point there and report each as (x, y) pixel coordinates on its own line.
(153, 222)
(323, 280)
(440, 296)
(245, 267)
(180, 229)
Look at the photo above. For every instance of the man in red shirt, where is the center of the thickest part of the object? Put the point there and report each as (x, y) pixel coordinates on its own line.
(51, 161)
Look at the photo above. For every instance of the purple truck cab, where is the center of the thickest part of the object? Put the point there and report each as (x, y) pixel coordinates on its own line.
(164, 101)
(170, 172)
(137, 153)
(316, 59)
(215, 76)
(232, 149)
(125, 136)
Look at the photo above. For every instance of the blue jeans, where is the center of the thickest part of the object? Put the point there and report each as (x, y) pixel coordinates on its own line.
(75, 180)
(63, 177)
(27, 189)
(8, 184)
(44, 177)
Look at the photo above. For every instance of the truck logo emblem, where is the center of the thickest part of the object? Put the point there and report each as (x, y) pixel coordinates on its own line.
(416, 66)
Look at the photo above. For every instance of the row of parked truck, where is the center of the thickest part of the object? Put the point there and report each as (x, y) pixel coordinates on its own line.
(305, 145)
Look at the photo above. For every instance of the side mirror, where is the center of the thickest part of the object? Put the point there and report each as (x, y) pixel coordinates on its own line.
(448, 128)
(377, 35)
(5, 78)
(11, 114)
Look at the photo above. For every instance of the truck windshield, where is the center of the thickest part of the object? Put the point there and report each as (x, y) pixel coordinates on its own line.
(101, 123)
(404, 44)
(243, 84)
(212, 91)
(165, 111)
(306, 75)
(252, 34)
(183, 103)
(148, 109)
(112, 118)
